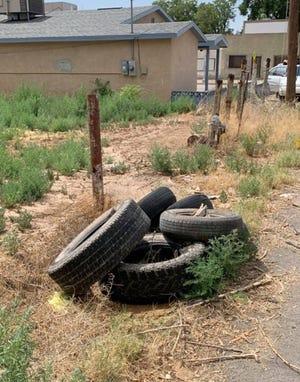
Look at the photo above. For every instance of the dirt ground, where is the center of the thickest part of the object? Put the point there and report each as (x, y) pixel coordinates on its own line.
(183, 342)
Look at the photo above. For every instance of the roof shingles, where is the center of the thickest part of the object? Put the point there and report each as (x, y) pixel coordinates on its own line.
(104, 24)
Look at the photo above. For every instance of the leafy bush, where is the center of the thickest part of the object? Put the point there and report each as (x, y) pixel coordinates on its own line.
(183, 162)
(182, 104)
(289, 158)
(11, 242)
(160, 158)
(249, 186)
(68, 157)
(223, 258)
(102, 88)
(31, 185)
(204, 157)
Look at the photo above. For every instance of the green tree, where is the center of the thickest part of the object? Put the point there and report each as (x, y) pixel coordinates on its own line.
(259, 9)
(215, 17)
(210, 17)
(179, 10)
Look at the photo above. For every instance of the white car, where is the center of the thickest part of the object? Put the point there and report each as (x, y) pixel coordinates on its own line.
(274, 77)
(283, 82)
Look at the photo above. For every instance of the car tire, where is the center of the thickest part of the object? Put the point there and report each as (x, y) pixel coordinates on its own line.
(136, 281)
(181, 224)
(154, 203)
(192, 201)
(99, 247)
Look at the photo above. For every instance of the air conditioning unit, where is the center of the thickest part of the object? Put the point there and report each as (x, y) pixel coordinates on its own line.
(18, 8)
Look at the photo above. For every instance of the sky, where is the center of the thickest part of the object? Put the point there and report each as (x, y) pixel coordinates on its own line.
(237, 25)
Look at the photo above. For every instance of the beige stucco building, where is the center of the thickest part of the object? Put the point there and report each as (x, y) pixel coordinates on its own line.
(68, 49)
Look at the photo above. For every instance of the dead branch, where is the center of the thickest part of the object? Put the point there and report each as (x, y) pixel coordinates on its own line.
(263, 255)
(293, 244)
(243, 336)
(226, 358)
(290, 365)
(256, 284)
(201, 211)
(224, 348)
(161, 328)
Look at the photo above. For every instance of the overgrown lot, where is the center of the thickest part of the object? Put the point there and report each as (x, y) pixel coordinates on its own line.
(46, 200)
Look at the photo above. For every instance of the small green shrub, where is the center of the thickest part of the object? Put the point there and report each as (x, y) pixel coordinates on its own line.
(11, 242)
(289, 158)
(160, 158)
(236, 162)
(255, 144)
(23, 220)
(223, 197)
(119, 168)
(68, 157)
(183, 162)
(182, 104)
(105, 142)
(31, 184)
(249, 186)
(204, 157)
(224, 257)
(16, 347)
(2, 220)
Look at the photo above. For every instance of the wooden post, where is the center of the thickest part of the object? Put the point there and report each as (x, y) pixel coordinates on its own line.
(229, 97)
(218, 95)
(265, 83)
(292, 50)
(253, 97)
(242, 93)
(96, 151)
(241, 85)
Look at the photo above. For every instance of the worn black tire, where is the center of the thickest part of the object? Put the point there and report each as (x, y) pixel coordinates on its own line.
(134, 282)
(180, 224)
(192, 201)
(99, 247)
(154, 203)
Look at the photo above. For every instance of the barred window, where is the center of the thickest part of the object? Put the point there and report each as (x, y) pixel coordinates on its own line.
(235, 61)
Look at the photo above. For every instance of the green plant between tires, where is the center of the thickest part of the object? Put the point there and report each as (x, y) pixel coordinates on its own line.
(223, 258)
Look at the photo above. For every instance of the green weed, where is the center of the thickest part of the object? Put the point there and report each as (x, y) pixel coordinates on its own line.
(183, 162)
(160, 158)
(11, 242)
(289, 158)
(224, 257)
(249, 186)
(204, 158)
(68, 157)
(119, 168)
(105, 142)
(23, 220)
(2, 220)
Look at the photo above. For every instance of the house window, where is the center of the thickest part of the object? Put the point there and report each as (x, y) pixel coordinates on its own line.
(235, 61)
(153, 20)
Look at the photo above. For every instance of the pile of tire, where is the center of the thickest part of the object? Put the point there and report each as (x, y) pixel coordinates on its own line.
(138, 252)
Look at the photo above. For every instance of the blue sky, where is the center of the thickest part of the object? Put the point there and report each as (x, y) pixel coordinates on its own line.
(94, 4)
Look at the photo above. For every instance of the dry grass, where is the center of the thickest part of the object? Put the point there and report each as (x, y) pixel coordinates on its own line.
(102, 337)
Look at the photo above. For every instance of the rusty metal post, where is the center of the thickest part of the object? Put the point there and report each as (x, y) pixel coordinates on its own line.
(229, 96)
(96, 150)
(218, 95)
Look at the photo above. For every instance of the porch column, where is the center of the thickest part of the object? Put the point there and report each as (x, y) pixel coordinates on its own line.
(217, 63)
(206, 70)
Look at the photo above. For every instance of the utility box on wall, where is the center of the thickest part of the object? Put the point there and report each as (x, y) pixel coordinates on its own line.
(128, 67)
